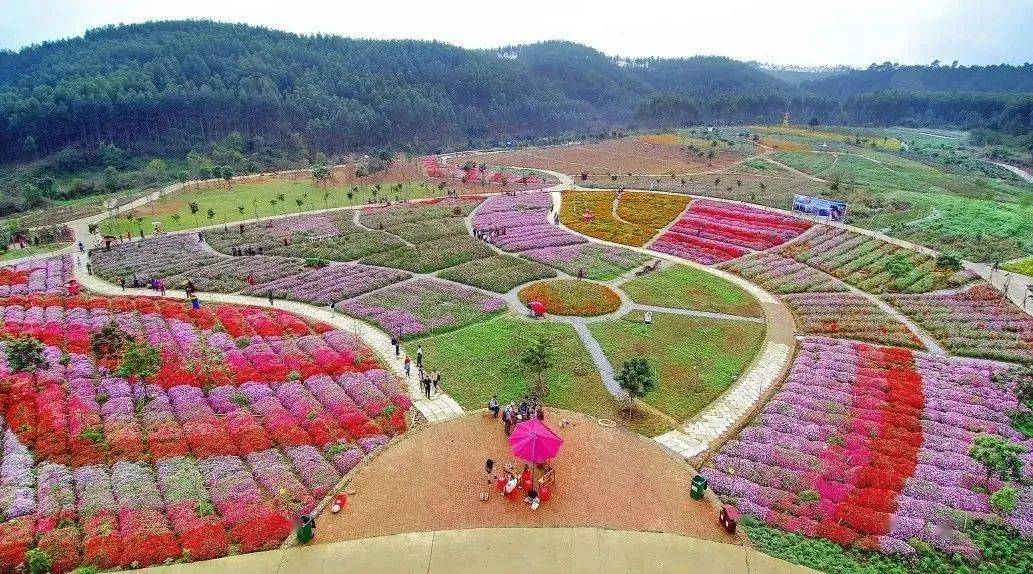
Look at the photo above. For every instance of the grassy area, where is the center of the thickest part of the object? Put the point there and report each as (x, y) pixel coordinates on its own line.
(31, 250)
(244, 200)
(484, 359)
(1023, 266)
(983, 218)
(684, 287)
(696, 358)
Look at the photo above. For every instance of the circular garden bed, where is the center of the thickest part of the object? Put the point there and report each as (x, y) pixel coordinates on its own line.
(572, 297)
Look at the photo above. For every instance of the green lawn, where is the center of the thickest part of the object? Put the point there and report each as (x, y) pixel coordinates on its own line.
(484, 358)
(684, 287)
(15, 253)
(255, 197)
(695, 358)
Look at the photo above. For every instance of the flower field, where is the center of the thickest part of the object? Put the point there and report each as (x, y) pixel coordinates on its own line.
(869, 447)
(523, 220)
(499, 273)
(571, 297)
(422, 307)
(331, 236)
(252, 417)
(849, 316)
(491, 175)
(639, 215)
(599, 262)
(48, 275)
(976, 322)
(716, 231)
(335, 282)
(779, 274)
(432, 255)
(872, 264)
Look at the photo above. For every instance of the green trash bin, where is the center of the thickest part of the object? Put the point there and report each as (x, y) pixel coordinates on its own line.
(699, 486)
(306, 529)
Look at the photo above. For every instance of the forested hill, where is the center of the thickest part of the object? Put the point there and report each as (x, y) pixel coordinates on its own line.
(164, 88)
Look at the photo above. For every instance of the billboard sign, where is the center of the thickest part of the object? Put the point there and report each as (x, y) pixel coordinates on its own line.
(833, 209)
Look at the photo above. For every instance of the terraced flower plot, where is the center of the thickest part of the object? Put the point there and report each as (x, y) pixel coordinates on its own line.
(714, 231)
(779, 274)
(599, 262)
(422, 307)
(872, 264)
(976, 322)
(40, 276)
(849, 316)
(869, 447)
(251, 418)
(499, 273)
(638, 216)
(331, 236)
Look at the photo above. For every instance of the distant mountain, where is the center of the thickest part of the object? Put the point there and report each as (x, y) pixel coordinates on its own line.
(164, 88)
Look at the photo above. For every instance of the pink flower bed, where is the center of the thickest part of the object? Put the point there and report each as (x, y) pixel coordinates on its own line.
(868, 446)
(253, 417)
(39, 276)
(716, 231)
(490, 175)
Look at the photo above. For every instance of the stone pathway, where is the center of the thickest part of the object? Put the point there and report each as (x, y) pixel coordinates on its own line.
(503, 551)
(438, 408)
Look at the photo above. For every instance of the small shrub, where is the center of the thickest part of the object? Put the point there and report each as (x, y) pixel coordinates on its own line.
(1004, 500)
(38, 561)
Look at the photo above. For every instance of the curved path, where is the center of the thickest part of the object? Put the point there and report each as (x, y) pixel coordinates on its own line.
(505, 551)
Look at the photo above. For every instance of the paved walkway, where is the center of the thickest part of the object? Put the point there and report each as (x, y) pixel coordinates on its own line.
(438, 408)
(504, 551)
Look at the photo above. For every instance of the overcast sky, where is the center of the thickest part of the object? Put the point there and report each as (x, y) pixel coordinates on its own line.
(802, 32)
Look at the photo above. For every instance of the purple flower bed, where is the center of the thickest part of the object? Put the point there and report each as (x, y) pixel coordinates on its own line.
(422, 307)
(600, 262)
(524, 222)
(334, 282)
(869, 445)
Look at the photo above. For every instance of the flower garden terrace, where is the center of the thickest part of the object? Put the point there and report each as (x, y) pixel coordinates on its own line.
(251, 417)
(876, 317)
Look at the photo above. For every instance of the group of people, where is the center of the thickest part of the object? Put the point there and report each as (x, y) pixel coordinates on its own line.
(489, 234)
(514, 413)
(241, 251)
(430, 381)
(154, 284)
(509, 482)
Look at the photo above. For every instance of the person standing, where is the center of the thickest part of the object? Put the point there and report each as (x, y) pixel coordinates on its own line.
(507, 420)
(394, 343)
(89, 269)
(426, 385)
(270, 297)
(407, 366)
(122, 282)
(493, 406)
(161, 287)
(419, 356)
(82, 248)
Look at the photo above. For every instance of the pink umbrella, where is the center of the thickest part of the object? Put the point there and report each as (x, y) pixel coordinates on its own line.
(534, 442)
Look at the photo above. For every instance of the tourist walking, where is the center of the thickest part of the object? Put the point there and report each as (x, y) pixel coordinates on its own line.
(435, 378)
(161, 286)
(398, 350)
(407, 366)
(89, 269)
(82, 248)
(419, 356)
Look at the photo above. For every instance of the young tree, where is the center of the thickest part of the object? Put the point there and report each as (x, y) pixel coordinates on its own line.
(194, 208)
(140, 361)
(813, 122)
(538, 358)
(211, 215)
(240, 209)
(227, 175)
(321, 174)
(108, 343)
(25, 355)
(636, 378)
(1000, 456)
